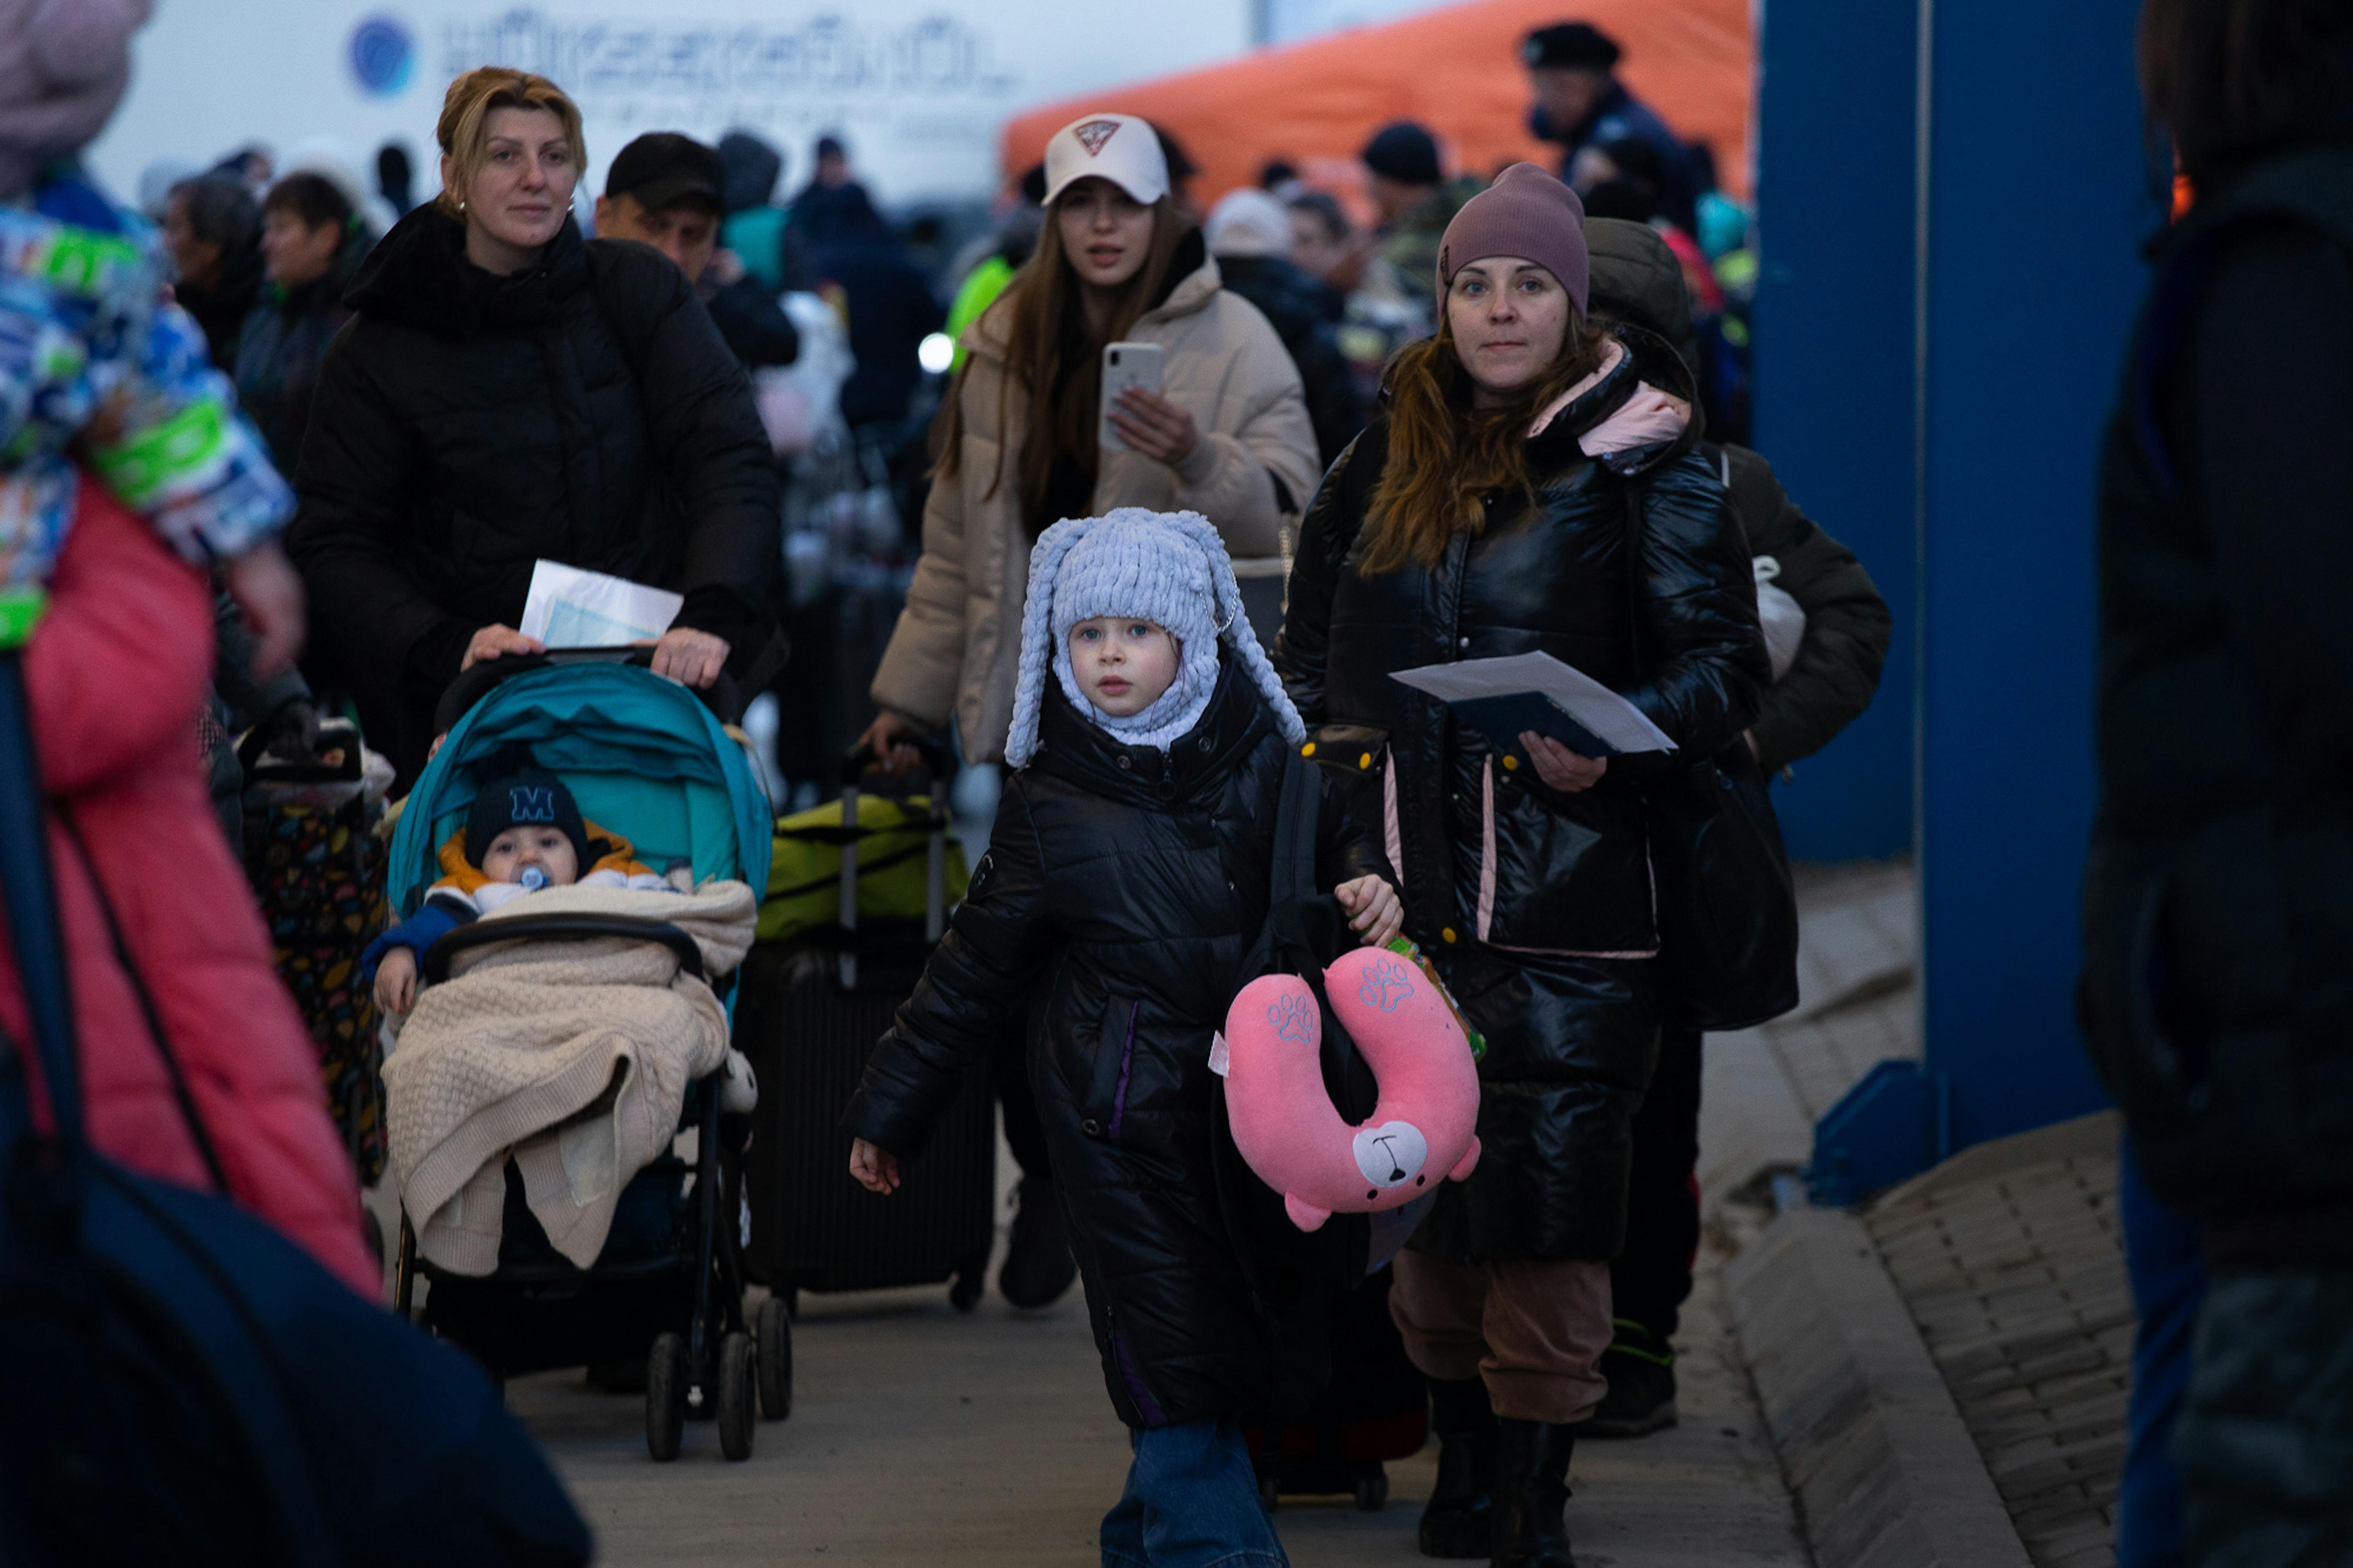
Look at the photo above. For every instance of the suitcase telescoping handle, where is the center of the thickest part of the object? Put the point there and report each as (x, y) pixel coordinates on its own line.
(858, 764)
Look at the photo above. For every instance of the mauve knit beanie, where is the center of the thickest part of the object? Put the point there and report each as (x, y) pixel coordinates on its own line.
(1526, 212)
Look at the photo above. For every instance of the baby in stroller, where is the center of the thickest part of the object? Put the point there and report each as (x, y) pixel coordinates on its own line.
(570, 1017)
(524, 832)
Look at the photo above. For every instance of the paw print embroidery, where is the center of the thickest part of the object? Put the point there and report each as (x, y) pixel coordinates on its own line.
(1384, 985)
(1290, 1019)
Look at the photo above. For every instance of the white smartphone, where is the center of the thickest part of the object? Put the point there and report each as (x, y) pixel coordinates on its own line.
(1126, 365)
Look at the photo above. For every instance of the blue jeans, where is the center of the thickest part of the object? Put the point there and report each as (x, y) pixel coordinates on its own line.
(1191, 1502)
(2167, 1268)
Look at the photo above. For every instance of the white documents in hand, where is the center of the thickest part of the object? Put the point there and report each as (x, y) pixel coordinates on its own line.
(1504, 697)
(568, 607)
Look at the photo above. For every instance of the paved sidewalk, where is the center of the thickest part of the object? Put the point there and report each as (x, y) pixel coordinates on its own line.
(920, 1435)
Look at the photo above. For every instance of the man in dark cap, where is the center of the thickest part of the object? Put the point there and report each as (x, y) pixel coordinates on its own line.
(1579, 102)
(669, 191)
(1416, 202)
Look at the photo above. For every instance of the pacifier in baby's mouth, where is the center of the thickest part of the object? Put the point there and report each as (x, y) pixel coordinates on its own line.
(532, 880)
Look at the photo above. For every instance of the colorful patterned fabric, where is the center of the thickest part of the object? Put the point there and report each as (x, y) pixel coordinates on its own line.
(90, 349)
(319, 876)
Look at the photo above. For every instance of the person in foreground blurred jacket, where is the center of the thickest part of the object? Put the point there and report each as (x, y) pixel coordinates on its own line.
(164, 952)
(2218, 910)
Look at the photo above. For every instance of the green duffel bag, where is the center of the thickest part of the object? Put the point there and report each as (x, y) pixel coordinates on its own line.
(894, 842)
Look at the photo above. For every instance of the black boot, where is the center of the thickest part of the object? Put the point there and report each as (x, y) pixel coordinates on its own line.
(1038, 1263)
(1640, 1367)
(1454, 1524)
(1531, 1489)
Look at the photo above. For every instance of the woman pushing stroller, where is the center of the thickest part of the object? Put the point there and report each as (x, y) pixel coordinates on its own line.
(1126, 875)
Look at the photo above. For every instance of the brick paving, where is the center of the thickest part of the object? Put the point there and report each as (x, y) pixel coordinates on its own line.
(2012, 1260)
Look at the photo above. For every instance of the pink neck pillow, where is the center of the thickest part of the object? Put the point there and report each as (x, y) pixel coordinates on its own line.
(1420, 1131)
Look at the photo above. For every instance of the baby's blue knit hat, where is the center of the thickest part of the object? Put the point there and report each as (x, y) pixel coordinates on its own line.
(1168, 567)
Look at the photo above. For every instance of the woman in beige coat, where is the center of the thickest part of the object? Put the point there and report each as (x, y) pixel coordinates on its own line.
(1229, 437)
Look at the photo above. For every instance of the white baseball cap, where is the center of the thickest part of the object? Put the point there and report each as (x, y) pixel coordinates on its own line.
(1121, 148)
(1247, 222)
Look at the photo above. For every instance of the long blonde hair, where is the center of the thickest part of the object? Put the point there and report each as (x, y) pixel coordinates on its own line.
(464, 125)
(1445, 454)
(1055, 359)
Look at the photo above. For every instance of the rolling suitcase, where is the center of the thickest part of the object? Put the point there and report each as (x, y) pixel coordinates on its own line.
(809, 1013)
(1375, 1409)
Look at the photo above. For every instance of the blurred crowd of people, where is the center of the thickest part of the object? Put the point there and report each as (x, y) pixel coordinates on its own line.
(850, 322)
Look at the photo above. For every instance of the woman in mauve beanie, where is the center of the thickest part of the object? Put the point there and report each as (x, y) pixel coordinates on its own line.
(1526, 212)
(1489, 510)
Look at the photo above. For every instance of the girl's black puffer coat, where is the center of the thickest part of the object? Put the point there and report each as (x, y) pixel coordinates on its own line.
(1121, 890)
(1538, 904)
(467, 425)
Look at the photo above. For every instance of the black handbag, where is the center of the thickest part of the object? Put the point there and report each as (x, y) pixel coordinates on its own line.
(1725, 908)
(184, 1384)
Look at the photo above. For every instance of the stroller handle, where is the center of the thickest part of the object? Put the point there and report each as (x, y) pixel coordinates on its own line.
(722, 695)
(481, 934)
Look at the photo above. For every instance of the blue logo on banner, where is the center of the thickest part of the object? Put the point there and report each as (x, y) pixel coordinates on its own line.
(384, 54)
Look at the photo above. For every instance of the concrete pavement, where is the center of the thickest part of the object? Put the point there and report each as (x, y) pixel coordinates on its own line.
(920, 1435)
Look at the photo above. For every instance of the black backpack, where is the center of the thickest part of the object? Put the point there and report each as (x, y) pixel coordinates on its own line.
(1726, 907)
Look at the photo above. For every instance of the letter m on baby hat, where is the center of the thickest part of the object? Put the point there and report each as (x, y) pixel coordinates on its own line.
(531, 802)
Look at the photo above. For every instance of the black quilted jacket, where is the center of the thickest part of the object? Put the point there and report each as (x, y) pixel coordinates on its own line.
(467, 425)
(1500, 873)
(1121, 891)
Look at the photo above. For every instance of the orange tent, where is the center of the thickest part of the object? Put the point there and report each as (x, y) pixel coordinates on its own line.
(1455, 69)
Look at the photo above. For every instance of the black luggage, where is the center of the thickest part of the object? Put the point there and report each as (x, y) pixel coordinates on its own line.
(1375, 1409)
(810, 1016)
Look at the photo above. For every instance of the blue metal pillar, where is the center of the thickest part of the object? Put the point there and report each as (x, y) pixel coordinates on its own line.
(2035, 198)
(1832, 363)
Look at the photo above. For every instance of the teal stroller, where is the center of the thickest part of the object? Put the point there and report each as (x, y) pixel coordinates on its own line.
(645, 759)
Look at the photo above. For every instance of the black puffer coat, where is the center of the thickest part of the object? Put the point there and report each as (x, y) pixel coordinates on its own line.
(467, 425)
(2218, 904)
(1538, 904)
(1121, 889)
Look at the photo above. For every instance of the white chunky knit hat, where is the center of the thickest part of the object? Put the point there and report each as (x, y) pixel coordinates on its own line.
(1166, 567)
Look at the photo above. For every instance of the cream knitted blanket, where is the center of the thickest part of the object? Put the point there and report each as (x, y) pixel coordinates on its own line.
(571, 1055)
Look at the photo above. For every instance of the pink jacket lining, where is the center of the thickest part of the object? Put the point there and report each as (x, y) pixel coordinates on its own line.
(1649, 415)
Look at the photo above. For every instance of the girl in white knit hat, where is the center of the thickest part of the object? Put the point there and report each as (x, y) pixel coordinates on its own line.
(1126, 875)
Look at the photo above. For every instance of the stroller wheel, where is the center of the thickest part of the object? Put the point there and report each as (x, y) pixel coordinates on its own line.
(775, 1358)
(666, 1379)
(1270, 1491)
(1373, 1489)
(738, 1413)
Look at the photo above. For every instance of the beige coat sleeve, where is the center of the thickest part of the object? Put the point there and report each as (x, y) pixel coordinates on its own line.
(922, 666)
(1264, 430)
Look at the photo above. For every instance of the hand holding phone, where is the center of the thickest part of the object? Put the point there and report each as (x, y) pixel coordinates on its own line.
(1138, 419)
(1126, 365)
